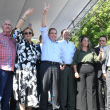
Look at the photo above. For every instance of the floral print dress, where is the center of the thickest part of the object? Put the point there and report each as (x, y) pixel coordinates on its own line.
(25, 80)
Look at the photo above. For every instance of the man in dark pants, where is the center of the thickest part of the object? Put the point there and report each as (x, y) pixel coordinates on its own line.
(7, 62)
(50, 68)
(101, 80)
(67, 87)
(39, 47)
(12, 102)
(106, 72)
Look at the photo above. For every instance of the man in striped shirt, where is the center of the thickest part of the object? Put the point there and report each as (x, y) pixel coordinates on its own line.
(7, 62)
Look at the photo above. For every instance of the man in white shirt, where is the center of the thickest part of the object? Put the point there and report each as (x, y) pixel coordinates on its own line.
(67, 88)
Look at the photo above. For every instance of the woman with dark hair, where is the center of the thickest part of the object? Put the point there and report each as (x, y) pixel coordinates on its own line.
(25, 81)
(83, 64)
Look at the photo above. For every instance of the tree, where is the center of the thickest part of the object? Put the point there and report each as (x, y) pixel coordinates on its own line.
(97, 25)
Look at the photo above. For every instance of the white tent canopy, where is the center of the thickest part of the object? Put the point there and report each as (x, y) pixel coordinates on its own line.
(60, 14)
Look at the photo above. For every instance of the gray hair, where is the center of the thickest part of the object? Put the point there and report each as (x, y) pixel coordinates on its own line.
(89, 45)
(6, 20)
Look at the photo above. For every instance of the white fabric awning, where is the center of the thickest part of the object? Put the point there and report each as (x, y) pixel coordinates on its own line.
(60, 14)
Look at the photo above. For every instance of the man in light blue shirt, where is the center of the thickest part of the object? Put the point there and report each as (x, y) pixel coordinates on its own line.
(50, 47)
(50, 68)
(67, 88)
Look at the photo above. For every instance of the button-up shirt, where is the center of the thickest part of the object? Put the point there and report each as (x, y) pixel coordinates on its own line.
(7, 52)
(67, 51)
(50, 49)
(104, 48)
(85, 57)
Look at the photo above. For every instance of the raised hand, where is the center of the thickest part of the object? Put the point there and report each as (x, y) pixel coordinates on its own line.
(29, 11)
(46, 8)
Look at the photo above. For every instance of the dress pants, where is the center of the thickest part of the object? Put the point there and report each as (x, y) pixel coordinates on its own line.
(67, 89)
(86, 90)
(108, 89)
(49, 74)
(12, 102)
(6, 81)
(101, 100)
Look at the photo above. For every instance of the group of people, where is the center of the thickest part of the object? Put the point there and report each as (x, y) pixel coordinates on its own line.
(76, 76)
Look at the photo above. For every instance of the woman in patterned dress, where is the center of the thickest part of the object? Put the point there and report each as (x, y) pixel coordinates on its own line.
(24, 82)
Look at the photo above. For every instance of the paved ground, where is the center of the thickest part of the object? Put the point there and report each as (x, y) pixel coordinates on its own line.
(17, 108)
(49, 108)
(49, 105)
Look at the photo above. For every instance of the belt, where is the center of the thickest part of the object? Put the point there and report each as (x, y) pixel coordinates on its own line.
(85, 64)
(53, 63)
(68, 64)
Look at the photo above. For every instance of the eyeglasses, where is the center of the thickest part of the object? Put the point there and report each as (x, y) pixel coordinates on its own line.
(26, 33)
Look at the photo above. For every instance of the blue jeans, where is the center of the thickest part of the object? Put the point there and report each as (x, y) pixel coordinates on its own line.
(6, 82)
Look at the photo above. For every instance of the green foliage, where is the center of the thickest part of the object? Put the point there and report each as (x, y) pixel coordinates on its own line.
(35, 41)
(75, 41)
(97, 25)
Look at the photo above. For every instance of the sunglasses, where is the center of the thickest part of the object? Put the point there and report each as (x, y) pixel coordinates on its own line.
(26, 33)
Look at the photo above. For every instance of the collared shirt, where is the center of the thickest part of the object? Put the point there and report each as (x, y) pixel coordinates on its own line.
(85, 57)
(104, 48)
(7, 52)
(67, 51)
(50, 49)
